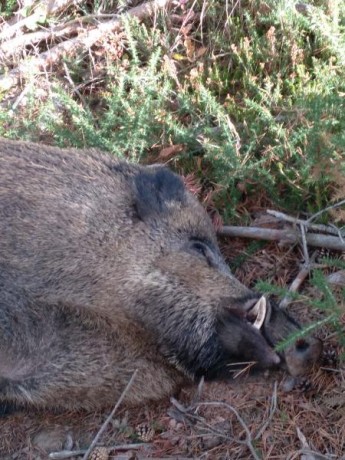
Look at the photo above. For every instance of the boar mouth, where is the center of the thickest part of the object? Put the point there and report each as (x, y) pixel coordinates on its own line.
(257, 314)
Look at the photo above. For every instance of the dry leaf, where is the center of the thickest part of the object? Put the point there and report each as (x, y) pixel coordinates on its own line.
(190, 49)
(200, 52)
(171, 151)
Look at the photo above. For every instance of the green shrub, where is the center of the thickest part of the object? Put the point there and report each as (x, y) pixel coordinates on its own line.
(253, 94)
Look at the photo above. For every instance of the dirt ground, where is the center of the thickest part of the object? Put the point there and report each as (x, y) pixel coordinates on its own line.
(231, 420)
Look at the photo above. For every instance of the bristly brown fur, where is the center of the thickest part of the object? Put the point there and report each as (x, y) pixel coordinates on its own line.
(107, 267)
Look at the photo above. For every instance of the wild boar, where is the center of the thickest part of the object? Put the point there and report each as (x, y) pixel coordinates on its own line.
(107, 267)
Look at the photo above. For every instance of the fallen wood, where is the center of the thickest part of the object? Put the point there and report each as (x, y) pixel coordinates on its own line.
(66, 454)
(41, 10)
(110, 416)
(285, 237)
(299, 280)
(13, 47)
(44, 61)
(280, 216)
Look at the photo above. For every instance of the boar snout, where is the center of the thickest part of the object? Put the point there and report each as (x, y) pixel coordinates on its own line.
(301, 356)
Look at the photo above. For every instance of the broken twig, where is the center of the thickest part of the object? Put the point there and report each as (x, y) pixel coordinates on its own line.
(64, 454)
(188, 412)
(298, 281)
(322, 228)
(83, 42)
(110, 416)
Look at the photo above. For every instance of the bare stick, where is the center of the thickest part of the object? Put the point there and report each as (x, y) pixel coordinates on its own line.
(12, 47)
(339, 231)
(322, 211)
(273, 408)
(71, 82)
(304, 245)
(64, 454)
(298, 281)
(287, 236)
(284, 236)
(110, 416)
(196, 418)
(248, 441)
(332, 230)
(42, 9)
(83, 42)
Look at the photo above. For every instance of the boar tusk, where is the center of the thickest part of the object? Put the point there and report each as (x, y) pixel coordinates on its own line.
(259, 310)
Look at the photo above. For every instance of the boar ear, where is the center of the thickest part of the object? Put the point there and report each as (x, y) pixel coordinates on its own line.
(155, 188)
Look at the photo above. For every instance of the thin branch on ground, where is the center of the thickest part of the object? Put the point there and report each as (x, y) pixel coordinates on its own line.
(286, 237)
(82, 42)
(42, 9)
(248, 441)
(13, 47)
(71, 82)
(273, 408)
(191, 418)
(65, 454)
(322, 228)
(339, 232)
(110, 416)
(304, 246)
(322, 211)
(299, 280)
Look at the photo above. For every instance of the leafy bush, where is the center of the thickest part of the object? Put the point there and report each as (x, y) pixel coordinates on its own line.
(253, 94)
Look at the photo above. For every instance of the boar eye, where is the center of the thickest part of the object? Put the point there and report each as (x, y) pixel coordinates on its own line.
(207, 251)
(202, 249)
(199, 247)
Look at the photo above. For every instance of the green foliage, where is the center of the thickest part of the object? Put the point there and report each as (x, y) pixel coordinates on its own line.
(264, 286)
(304, 332)
(8, 7)
(254, 94)
(327, 303)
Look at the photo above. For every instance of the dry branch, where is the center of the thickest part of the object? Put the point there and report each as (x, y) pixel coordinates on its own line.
(190, 412)
(273, 409)
(286, 237)
(329, 229)
(84, 41)
(110, 416)
(10, 48)
(42, 10)
(298, 281)
(65, 454)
